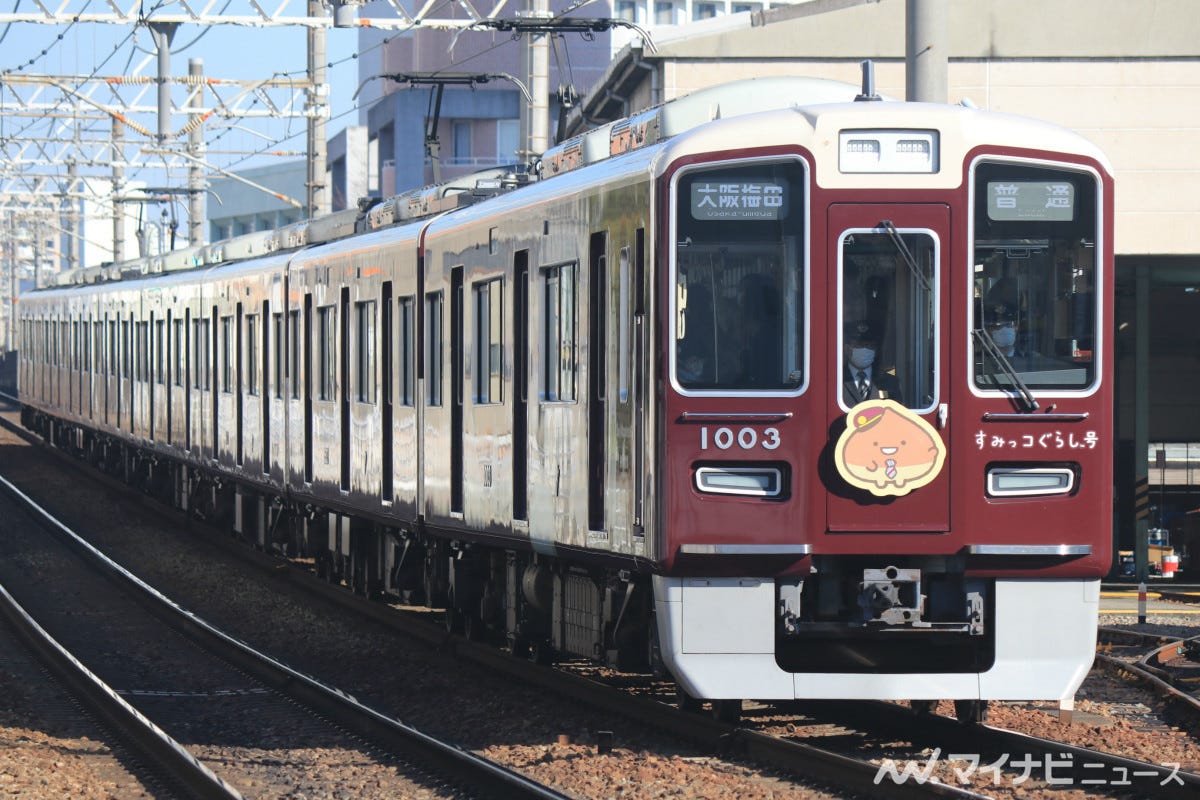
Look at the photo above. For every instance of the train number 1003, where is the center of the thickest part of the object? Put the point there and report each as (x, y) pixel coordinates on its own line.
(745, 438)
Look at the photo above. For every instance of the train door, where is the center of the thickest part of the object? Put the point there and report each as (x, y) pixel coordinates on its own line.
(888, 339)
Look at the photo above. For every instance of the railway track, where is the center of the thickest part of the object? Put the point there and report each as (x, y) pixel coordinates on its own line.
(1171, 665)
(1078, 765)
(47, 722)
(218, 694)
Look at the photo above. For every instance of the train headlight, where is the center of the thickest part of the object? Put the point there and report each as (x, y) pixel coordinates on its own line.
(744, 481)
(888, 151)
(1029, 481)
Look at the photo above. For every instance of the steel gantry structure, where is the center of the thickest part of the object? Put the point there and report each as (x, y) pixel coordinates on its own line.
(67, 140)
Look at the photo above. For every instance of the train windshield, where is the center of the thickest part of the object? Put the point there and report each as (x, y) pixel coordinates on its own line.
(739, 278)
(1033, 293)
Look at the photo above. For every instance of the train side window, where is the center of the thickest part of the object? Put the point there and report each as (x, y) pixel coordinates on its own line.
(558, 335)
(433, 348)
(252, 354)
(489, 350)
(408, 349)
(364, 327)
(326, 352)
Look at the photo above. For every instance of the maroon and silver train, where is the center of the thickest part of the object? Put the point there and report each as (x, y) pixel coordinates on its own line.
(796, 396)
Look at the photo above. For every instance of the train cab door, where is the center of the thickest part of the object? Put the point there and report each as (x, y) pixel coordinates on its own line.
(889, 272)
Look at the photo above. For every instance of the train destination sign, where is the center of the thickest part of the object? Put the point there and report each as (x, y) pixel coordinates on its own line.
(739, 200)
(1038, 201)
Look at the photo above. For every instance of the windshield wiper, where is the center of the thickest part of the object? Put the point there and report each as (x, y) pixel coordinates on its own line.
(906, 254)
(990, 349)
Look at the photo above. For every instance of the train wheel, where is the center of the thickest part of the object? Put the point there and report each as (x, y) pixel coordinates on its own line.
(727, 711)
(923, 706)
(971, 711)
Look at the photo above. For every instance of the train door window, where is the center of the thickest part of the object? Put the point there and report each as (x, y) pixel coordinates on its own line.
(364, 327)
(177, 348)
(143, 351)
(127, 352)
(98, 347)
(252, 334)
(326, 352)
(889, 316)
(1033, 300)
(408, 349)
(489, 351)
(295, 342)
(624, 318)
(160, 356)
(433, 348)
(227, 354)
(558, 336)
(278, 363)
(113, 363)
(738, 305)
(200, 357)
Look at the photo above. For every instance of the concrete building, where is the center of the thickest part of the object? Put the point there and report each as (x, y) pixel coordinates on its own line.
(235, 208)
(476, 127)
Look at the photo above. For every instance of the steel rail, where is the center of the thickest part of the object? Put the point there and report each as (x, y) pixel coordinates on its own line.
(491, 779)
(144, 736)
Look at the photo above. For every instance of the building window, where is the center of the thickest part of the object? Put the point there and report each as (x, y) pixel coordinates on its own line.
(489, 350)
(508, 140)
(462, 142)
(626, 10)
(705, 10)
(664, 13)
(739, 8)
(558, 379)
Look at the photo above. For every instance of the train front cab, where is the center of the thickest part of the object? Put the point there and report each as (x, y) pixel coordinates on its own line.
(809, 551)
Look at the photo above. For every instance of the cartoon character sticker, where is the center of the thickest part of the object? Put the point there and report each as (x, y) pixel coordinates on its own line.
(887, 449)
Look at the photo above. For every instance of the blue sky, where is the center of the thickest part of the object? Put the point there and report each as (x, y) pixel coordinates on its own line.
(230, 52)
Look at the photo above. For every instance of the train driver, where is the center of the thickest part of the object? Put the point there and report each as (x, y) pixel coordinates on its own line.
(861, 378)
